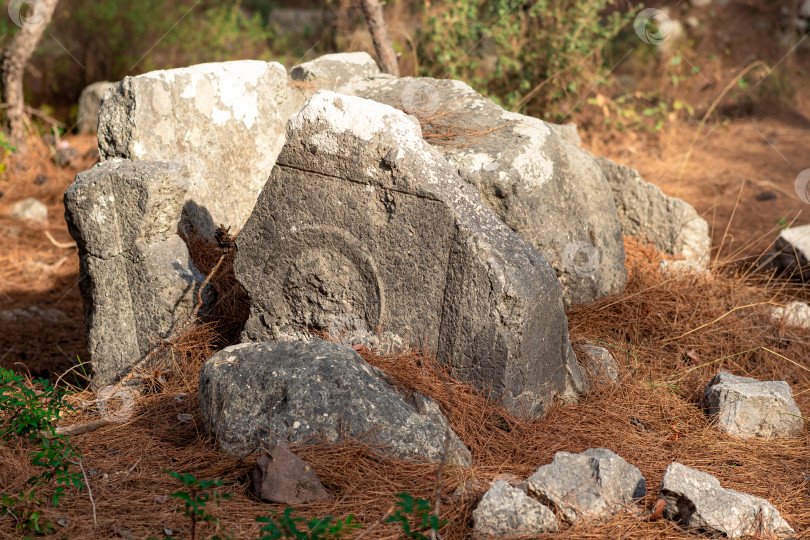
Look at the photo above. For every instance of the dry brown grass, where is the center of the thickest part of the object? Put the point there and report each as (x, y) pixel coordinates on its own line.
(669, 336)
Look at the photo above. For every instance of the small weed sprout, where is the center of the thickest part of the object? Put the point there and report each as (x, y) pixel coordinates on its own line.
(286, 526)
(196, 499)
(29, 413)
(415, 517)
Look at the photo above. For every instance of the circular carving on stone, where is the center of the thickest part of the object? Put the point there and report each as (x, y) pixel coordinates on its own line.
(324, 272)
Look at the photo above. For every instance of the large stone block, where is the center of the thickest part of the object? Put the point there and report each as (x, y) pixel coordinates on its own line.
(224, 122)
(297, 392)
(546, 189)
(361, 216)
(137, 280)
(670, 224)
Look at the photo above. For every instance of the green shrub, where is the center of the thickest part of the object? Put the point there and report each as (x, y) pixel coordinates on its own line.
(537, 56)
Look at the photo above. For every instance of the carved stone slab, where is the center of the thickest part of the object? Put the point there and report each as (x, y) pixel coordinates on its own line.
(361, 216)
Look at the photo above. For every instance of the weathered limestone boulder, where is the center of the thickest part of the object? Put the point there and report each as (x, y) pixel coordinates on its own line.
(332, 71)
(587, 487)
(508, 511)
(89, 105)
(670, 224)
(137, 280)
(361, 216)
(224, 122)
(746, 407)
(547, 190)
(696, 500)
(298, 391)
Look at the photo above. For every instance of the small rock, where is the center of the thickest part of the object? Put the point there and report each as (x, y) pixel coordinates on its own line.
(160, 499)
(168, 532)
(282, 477)
(695, 499)
(29, 209)
(92, 472)
(508, 511)
(185, 418)
(31, 312)
(61, 521)
(673, 268)
(40, 179)
(179, 398)
(123, 532)
(793, 314)
(587, 487)
(89, 104)
(766, 195)
(747, 407)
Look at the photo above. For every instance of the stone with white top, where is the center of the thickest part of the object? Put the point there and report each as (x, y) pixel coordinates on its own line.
(224, 122)
(508, 511)
(696, 500)
(745, 407)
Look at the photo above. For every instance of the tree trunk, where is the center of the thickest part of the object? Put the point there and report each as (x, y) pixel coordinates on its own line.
(386, 57)
(15, 57)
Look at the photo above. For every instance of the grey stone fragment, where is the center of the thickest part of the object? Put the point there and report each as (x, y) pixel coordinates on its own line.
(296, 391)
(507, 511)
(587, 487)
(791, 253)
(89, 105)
(224, 122)
(695, 499)
(543, 187)
(29, 209)
(332, 71)
(746, 407)
(280, 476)
(670, 224)
(136, 277)
(361, 216)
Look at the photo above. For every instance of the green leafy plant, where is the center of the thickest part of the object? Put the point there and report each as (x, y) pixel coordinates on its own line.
(415, 517)
(28, 410)
(286, 526)
(196, 499)
(540, 56)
